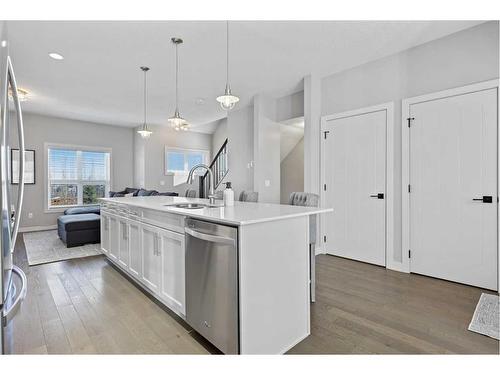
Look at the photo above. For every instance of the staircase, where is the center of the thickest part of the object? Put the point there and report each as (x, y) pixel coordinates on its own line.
(219, 168)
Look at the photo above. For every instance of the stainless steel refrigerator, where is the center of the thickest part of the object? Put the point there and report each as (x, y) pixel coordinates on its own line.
(12, 279)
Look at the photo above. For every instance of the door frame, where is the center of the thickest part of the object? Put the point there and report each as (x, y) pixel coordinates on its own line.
(389, 175)
(405, 158)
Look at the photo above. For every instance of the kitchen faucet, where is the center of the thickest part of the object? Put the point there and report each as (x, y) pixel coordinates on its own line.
(211, 194)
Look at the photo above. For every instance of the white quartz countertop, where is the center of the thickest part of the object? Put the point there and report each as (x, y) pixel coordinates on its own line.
(242, 213)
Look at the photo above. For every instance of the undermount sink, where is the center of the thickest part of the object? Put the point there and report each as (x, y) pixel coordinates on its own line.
(193, 206)
(189, 206)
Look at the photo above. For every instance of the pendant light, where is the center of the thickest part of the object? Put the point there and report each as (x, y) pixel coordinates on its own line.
(144, 131)
(228, 100)
(177, 122)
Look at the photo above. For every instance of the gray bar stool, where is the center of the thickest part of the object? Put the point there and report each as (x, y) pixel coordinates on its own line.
(309, 200)
(190, 193)
(249, 196)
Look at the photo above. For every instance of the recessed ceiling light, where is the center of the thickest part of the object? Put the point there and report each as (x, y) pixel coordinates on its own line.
(4, 43)
(56, 56)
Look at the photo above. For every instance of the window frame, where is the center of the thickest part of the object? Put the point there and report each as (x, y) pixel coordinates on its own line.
(79, 182)
(185, 151)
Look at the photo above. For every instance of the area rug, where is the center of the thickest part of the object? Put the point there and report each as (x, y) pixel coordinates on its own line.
(486, 316)
(46, 247)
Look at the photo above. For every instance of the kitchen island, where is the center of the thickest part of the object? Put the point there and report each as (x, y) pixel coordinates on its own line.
(146, 237)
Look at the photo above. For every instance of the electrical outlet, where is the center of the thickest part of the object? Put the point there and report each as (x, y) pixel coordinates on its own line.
(162, 182)
(267, 183)
(30, 215)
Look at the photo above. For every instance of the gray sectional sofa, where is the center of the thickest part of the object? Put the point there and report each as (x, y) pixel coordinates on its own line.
(139, 193)
(82, 225)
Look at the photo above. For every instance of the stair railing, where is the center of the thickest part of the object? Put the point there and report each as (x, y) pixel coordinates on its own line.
(219, 167)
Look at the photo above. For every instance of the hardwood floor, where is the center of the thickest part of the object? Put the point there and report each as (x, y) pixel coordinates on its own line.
(87, 306)
(365, 309)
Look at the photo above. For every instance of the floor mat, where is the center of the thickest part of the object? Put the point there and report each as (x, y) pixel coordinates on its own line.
(46, 247)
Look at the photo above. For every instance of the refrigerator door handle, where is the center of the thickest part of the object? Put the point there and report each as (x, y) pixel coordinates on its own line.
(20, 134)
(12, 309)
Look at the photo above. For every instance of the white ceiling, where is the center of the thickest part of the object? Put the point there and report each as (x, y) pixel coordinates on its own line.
(99, 80)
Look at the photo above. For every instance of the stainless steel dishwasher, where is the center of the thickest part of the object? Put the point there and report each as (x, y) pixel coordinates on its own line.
(212, 283)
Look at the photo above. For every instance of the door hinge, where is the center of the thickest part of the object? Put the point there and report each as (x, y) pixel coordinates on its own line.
(324, 238)
(409, 253)
(410, 119)
(409, 188)
(324, 187)
(325, 133)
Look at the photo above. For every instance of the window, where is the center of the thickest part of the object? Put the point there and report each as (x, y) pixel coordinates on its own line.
(180, 161)
(76, 177)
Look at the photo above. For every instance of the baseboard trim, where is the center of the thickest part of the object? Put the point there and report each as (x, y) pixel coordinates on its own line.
(318, 250)
(37, 228)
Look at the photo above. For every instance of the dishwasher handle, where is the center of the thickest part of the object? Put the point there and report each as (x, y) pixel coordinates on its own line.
(210, 237)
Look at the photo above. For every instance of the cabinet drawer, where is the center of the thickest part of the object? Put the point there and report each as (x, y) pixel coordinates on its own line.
(165, 220)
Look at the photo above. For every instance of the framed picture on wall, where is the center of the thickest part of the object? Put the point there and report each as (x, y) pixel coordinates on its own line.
(29, 166)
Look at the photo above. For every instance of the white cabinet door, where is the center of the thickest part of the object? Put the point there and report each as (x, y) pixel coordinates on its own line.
(135, 249)
(151, 261)
(123, 241)
(172, 289)
(104, 233)
(113, 238)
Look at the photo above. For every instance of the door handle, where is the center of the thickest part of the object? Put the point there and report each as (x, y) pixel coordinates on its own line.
(378, 196)
(484, 199)
(11, 311)
(20, 134)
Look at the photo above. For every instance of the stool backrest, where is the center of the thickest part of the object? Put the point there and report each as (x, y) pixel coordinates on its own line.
(249, 196)
(190, 193)
(306, 200)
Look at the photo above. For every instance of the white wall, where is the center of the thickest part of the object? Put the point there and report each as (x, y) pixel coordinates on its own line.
(219, 136)
(39, 130)
(459, 59)
(292, 172)
(266, 150)
(150, 163)
(290, 106)
(240, 149)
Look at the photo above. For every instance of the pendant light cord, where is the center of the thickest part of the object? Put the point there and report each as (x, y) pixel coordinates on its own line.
(176, 77)
(145, 97)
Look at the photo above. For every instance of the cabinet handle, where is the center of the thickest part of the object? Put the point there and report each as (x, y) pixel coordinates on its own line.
(155, 244)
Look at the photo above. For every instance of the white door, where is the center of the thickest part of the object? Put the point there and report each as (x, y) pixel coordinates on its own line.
(113, 238)
(172, 251)
(134, 239)
(453, 163)
(104, 233)
(151, 261)
(123, 251)
(354, 174)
